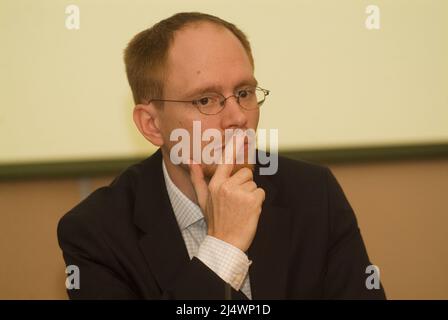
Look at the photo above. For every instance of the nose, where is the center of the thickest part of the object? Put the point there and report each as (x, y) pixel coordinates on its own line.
(233, 116)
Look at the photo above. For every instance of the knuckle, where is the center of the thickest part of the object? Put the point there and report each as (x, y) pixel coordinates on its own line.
(252, 198)
(225, 189)
(248, 172)
(262, 193)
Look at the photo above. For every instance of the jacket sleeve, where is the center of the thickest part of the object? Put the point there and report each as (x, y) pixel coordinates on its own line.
(347, 256)
(102, 278)
(85, 249)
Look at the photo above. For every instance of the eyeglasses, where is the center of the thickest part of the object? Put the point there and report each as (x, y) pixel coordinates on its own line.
(249, 98)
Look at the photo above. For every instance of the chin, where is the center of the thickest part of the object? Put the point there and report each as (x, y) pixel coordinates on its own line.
(209, 170)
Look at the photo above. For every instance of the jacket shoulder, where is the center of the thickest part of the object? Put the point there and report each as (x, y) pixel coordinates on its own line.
(299, 166)
(300, 173)
(302, 184)
(107, 207)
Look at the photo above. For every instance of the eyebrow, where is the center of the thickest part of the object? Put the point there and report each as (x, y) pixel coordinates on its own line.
(218, 88)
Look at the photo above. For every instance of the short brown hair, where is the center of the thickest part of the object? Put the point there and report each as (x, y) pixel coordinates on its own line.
(146, 54)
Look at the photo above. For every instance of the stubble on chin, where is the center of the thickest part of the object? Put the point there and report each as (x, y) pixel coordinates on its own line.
(209, 170)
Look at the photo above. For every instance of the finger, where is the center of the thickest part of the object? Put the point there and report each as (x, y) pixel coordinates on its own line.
(225, 168)
(199, 184)
(261, 195)
(249, 186)
(222, 173)
(241, 176)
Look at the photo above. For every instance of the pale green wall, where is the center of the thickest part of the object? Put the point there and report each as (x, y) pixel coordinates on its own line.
(64, 94)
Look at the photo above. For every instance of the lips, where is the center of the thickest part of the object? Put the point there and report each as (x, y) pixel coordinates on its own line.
(236, 142)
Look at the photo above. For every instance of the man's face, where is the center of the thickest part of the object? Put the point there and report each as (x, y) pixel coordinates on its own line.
(205, 55)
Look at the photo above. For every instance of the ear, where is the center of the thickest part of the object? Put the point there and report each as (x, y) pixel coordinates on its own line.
(146, 118)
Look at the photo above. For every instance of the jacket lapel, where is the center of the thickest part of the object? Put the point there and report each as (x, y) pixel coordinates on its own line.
(269, 249)
(162, 243)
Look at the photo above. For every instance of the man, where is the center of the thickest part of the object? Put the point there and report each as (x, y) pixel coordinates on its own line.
(210, 231)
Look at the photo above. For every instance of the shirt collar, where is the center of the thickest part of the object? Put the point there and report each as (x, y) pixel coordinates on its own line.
(186, 211)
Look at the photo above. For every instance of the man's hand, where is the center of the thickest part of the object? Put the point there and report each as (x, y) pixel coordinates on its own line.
(231, 204)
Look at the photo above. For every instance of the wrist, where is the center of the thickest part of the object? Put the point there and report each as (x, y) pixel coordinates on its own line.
(230, 240)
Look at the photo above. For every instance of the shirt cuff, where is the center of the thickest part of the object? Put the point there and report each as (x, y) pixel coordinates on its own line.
(227, 261)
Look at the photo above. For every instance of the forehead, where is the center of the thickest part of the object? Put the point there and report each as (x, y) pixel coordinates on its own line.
(206, 52)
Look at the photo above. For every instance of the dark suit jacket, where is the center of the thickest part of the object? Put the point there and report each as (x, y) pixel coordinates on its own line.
(126, 242)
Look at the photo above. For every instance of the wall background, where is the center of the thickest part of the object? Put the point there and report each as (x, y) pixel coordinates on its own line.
(334, 83)
(65, 100)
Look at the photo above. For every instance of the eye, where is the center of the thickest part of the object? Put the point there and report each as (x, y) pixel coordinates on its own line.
(245, 93)
(204, 101)
(201, 102)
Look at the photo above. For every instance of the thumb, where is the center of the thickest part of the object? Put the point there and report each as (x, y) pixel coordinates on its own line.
(199, 184)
